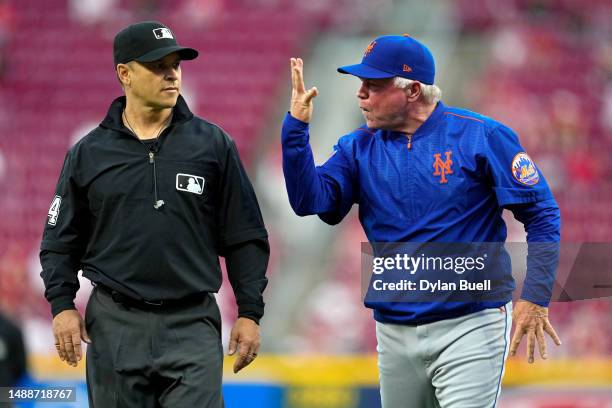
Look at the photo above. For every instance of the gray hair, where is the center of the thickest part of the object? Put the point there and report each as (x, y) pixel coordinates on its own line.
(431, 94)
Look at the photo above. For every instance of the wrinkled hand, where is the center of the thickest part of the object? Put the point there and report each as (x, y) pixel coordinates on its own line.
(301, 99)
(69, 330)
(532, 320)
(245, 339)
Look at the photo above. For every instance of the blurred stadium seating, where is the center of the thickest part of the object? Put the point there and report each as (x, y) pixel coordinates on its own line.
(547, 72)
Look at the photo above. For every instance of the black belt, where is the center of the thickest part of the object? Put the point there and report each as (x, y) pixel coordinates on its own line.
(128, 301)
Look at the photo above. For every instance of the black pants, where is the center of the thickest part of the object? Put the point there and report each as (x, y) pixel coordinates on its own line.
(153, 358)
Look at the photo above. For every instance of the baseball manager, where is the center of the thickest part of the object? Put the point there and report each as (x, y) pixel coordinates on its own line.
(424, 172)
(145, 204)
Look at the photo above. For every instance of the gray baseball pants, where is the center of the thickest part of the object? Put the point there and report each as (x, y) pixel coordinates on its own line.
(139, 358)
(452, 363)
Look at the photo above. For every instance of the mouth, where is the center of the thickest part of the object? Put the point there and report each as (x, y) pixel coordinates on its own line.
(170, 89)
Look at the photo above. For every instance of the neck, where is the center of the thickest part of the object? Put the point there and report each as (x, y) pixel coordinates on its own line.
(144, 121)
(417, 115)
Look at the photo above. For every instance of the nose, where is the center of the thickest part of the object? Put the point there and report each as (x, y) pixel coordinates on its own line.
(362, 92)
(171, 74)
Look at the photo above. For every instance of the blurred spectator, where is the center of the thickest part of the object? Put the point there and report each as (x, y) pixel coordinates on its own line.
(12, 353)
(144, 9)
(2, 167)
(91, 12)
(14, 285)
(606, 112)
(200, 13)
(7, 27)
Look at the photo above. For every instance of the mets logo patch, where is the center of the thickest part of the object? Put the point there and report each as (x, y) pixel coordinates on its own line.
(442, 168)
(524, 170)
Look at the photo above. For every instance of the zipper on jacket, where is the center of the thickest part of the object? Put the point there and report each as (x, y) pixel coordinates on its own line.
(409, 142)
(158, 203)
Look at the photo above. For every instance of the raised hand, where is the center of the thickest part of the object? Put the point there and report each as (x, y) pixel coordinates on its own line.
(301, 99)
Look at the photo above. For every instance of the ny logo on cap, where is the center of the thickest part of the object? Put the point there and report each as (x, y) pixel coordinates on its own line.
(162, 33)
(369, 49)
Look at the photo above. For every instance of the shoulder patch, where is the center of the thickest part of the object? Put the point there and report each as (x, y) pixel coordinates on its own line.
(54, 210)
(524, 170)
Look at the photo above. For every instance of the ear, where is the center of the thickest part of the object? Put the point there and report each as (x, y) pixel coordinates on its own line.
(413, 92)
(123, 73)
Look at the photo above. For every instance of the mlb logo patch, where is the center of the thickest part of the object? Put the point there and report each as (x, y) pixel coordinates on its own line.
(190, 183)
(162, 33)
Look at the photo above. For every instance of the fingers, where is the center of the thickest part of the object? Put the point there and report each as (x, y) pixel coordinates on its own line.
(312, 92)
(76, 344)
(534, 334)
(70, 352)
(61, 351)
(551, 332)
(297, 76)
(541, 341)
(233, 344)
(247, 354)
(516, 340)
(530, 344)
(301, 99)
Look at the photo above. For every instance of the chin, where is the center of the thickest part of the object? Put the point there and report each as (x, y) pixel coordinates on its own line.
(169, 103)
(372, 124)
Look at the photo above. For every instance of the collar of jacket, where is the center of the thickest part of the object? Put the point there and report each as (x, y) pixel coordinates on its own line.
(114, 121)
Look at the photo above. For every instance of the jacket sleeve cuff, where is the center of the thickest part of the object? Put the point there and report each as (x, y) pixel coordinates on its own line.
(295, 122)
(538, 300)
(61, 303)
(251, 311)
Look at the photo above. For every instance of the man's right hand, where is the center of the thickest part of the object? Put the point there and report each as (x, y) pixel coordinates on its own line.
(301, 99)
(68, 330)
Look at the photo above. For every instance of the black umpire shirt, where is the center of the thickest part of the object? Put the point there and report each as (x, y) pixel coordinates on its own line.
(103, 219)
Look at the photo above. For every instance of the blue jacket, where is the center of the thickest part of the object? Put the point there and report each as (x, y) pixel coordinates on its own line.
(448, 182)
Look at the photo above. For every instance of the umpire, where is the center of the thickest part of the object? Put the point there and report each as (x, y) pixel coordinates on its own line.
(145, 204)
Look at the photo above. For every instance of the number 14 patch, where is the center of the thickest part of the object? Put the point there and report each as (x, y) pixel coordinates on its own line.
(54, 210)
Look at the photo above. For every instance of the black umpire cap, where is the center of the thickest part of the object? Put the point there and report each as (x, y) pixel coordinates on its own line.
(146, 42)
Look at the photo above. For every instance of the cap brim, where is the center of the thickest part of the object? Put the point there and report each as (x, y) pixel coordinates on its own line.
(365, 71)
(184, 53)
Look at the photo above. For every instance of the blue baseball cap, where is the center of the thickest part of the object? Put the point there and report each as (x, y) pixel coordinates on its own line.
(395, 55)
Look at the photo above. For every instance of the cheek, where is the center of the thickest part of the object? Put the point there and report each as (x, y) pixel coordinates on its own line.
(395, 104)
